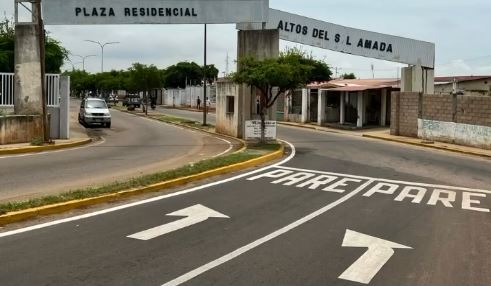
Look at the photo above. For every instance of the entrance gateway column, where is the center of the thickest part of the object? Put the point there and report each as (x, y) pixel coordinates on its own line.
(361, 111)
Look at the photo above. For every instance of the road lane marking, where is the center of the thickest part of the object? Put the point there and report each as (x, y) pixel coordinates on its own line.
(192, 215)
(369, 264)
(386, 180)
(125, 206)
(227, 257)
(416, 193)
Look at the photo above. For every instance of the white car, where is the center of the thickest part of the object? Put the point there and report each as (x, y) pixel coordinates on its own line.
(94, 111)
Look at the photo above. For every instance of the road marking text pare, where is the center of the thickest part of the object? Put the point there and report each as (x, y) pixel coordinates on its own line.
(417, 193)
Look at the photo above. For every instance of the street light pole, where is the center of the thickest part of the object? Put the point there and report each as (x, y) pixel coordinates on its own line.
(102, 45)
(83, 59)
(204, 84)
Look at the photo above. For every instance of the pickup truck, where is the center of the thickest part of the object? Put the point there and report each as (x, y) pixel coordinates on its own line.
(134, 100)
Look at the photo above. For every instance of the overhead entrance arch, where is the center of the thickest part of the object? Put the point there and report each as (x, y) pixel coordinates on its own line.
(262, 40)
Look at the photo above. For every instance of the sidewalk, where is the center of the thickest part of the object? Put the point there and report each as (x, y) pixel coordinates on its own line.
(383, 133)
(77, 134)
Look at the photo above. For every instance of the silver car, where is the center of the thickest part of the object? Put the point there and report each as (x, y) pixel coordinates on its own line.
(94, 111)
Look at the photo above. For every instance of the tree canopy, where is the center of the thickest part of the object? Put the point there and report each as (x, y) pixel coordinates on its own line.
(272, 77)
(55, 52)
(348, 76)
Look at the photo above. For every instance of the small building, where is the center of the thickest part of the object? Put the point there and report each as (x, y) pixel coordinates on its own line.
(465, 85)
(352, 103)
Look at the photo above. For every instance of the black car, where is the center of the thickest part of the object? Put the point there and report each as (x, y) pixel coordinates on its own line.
(133, 100)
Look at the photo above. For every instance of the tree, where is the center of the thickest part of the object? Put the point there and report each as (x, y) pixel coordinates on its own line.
(273, 77)
(176, 75)
(7, 43)
(144, 78)
(348, 76)
(210, 72)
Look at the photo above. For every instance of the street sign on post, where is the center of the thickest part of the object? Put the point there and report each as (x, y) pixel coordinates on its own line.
(253, 130)
(110, 12)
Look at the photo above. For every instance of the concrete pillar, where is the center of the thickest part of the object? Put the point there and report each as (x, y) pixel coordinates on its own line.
(28, 89)
(305, 105)
(383, 107)
(342, 107)
(361, 111)
(261, 44)
(418, 79)
(64, 107)
(321, 108)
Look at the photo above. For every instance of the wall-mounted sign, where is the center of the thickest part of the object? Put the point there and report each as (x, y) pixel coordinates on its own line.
(109, 12)
(303, 30)
(253, 130)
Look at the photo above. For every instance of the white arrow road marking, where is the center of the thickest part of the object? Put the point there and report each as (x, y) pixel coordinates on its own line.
(193, 215)
(369, 264)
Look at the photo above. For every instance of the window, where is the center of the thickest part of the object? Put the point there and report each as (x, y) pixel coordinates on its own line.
(230, 104)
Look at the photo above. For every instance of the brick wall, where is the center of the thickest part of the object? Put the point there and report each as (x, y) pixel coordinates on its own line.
(449, 118)
(437, 107)
(404, 113)
(475, 110)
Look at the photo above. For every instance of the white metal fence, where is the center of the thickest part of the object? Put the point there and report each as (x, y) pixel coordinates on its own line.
(189, 97)
(52, 84)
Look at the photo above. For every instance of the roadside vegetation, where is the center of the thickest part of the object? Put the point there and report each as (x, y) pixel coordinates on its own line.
(142, 181)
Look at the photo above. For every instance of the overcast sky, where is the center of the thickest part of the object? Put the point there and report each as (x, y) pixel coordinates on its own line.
(458, 28)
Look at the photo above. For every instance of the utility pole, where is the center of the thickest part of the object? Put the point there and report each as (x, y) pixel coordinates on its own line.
(204, 84)
(227, 65)
(41, 33)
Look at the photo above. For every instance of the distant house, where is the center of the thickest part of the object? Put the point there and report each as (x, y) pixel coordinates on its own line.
(467, 85)
(351, 102)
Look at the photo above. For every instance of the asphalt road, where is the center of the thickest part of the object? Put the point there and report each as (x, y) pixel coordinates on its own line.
(341, 210)
(132, 147)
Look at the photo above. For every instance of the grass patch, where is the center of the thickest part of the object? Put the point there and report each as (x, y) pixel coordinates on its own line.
(142, 181)
(38, 141)
(187, 122)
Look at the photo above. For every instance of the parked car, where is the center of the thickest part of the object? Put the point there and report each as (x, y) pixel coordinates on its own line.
(132, 99)
(94, 111)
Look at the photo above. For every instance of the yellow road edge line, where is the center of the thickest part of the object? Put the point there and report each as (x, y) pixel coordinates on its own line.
(38, 149)
(18, 216)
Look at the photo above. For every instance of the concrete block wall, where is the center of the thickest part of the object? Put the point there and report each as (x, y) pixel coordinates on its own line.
(404, 113)
(20, 128)
(437, 107)
(448, 118)
(474, 110)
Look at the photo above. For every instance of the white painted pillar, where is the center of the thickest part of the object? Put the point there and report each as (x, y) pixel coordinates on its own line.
(361, 112)
(305, 105)
(321, 108)
(383, 107)
(342, 107)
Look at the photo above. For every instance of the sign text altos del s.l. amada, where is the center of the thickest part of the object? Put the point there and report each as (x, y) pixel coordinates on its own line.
(109, 12)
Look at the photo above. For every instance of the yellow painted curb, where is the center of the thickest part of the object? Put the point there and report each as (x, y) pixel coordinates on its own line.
(427, 145)
(61, 207)
(37, 149)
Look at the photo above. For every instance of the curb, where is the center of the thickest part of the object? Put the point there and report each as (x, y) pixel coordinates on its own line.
(427, 145)
(62, 207)
(38, 149)
(242, 142)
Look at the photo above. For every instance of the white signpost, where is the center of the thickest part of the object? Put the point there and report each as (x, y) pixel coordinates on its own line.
(253, 130)
(109, 12)
(303, 30)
